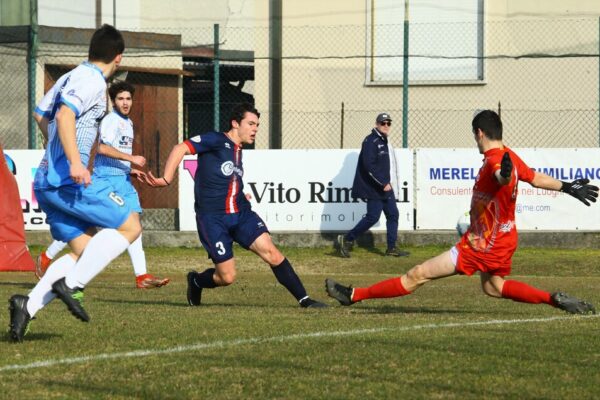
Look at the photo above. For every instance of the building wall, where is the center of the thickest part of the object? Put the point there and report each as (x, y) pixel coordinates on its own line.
(535, 93)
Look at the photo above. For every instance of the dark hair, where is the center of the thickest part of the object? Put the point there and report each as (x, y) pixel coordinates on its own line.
(489, 122)
(238, 112)
(118, 87)
(106, 43)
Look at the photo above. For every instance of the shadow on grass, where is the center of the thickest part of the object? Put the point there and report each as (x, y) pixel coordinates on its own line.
(26, 285)
(415, 310)
(30, 337)
(184, 304)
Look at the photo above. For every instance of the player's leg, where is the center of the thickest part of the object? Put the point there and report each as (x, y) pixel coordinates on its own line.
(374, 209)
(143, 280)
(43, 261)
(24, 308)
(282, 269)
(437, 267)
(100, 205)
(213, 231)
(497, 286)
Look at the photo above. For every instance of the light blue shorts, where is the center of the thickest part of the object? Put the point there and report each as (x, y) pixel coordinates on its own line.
(73, 209)
(123, 186)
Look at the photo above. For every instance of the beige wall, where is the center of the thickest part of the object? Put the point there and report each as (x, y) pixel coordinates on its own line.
(545, 102)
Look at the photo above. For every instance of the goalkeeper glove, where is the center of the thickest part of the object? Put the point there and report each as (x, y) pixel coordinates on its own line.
(581, 190)
(506, 166)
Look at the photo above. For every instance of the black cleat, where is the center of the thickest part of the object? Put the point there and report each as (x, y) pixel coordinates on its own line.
(344, 246)
(19, 317)
(341, 293)
(194, 292)
(73, 298)
(394, 252)
(310, 303)
(572, 305)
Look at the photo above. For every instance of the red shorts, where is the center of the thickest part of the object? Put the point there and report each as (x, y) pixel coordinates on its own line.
(469, 262)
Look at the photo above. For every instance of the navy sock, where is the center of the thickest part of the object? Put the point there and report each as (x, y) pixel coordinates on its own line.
(286, 275)
(205, 279)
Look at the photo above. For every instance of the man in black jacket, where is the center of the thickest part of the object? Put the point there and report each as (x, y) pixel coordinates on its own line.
(372, 183)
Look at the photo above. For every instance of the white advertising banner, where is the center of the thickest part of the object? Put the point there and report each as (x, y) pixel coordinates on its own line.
(26, 163)
(303, 190)
(445, 179)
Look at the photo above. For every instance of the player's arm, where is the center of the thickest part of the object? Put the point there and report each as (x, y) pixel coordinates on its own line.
(42, 123)
(579, 188)
(112, 152)
(65, 124)
(173, 161)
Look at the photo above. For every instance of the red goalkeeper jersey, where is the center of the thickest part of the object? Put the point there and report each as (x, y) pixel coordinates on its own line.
(492, 237)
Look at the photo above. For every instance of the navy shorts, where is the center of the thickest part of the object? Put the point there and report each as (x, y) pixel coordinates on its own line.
(218, 232)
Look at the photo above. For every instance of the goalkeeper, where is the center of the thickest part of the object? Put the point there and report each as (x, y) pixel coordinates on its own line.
(489, 244)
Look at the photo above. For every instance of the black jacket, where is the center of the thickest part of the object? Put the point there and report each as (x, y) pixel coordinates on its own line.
(373, 168)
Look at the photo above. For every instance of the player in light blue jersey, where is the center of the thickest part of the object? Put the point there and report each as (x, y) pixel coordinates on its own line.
(75, 204)
(113, 163)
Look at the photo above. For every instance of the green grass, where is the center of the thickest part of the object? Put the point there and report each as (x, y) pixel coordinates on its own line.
(251, 340)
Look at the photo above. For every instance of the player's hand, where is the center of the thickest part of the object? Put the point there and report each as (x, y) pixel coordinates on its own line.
(387, 188)
(140, 175)
(140, 161)
(248, 196)
(80, 174)
(581, 190)
(153, 181)
(506, 166)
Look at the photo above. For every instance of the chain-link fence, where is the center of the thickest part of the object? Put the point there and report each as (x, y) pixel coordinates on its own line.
(335, 80)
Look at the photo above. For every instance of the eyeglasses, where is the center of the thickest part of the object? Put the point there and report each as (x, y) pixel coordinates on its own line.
(386, 123)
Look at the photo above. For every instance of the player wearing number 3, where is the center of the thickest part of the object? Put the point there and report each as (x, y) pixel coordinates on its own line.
(223, 213)
(488, 245)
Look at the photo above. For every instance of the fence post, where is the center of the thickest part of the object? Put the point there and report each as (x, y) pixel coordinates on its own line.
(342, 128)
(405, 80)
(216, 80)
(31, 65)
(275, 73)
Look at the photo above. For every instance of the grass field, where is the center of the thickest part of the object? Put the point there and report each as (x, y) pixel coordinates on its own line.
(251, 340)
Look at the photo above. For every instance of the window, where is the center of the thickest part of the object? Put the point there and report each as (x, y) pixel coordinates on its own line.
(445, 41)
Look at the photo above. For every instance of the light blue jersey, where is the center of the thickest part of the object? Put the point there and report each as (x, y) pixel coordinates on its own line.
(83, 90)
(115, 131)
(72, 209)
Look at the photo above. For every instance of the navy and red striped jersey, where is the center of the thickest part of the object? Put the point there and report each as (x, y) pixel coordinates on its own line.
(218, 186)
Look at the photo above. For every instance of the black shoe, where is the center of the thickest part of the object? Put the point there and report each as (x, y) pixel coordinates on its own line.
(341, 293)
(19, 317)
(73, 298)
(310, 303)
(571, 304)
(344, 246)
(394, 252)
(194, 292)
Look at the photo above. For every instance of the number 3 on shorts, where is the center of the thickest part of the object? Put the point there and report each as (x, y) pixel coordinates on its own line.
(116, 198)
(220, 248)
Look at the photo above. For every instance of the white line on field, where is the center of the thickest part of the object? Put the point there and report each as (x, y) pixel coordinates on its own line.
(239, 342)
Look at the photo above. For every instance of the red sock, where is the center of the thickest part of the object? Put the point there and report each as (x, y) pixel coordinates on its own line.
(519, 291)
(388, 288)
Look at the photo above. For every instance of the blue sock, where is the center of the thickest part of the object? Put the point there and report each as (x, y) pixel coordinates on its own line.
(205, 279)
(286, 275)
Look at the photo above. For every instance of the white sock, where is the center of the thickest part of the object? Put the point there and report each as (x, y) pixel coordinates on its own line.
(102, 248)
(42, 292)
(55, 247)
(138, 258)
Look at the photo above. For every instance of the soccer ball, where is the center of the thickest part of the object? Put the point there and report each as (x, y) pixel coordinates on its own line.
(463, 223)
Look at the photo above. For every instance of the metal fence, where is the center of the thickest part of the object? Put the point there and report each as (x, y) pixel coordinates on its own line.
(544, 73)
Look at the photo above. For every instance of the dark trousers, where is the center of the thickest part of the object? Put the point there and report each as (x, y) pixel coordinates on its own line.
(374, 209)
